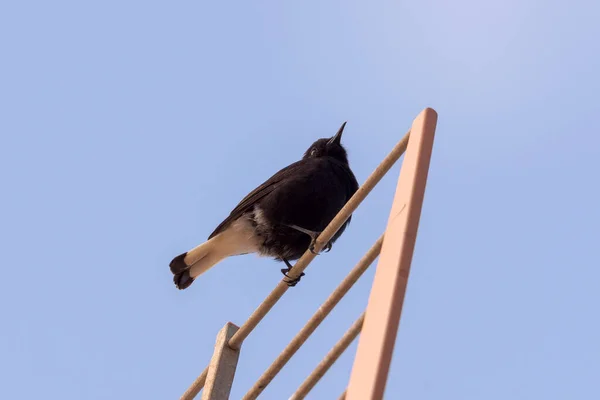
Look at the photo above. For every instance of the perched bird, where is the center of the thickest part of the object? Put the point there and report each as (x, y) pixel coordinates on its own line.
(282, 217)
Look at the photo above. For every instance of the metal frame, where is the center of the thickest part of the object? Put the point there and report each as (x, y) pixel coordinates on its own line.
(382, 316)
(223, 363)
(331, 357)
(376, 343)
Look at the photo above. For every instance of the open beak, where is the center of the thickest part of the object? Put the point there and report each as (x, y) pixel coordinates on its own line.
(337, 139)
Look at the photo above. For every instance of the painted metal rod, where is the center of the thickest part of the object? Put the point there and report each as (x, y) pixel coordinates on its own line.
(314, 321)
(303, 262)
(376, 344)
(323, 238)
(221, 369)
(196, 386)
(331, 357)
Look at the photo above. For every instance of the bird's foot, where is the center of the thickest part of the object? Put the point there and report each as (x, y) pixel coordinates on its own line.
(313, 242)
(325, 249)
(291, 282)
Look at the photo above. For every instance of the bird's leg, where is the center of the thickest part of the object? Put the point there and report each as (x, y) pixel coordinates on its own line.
(285, 271)
(313, 236)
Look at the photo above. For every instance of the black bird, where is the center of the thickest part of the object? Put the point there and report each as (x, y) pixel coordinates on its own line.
(282, 217)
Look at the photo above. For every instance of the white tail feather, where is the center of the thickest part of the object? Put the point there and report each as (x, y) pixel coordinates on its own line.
(237, 239)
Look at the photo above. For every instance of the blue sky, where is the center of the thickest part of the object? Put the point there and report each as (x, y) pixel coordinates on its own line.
(130, 130)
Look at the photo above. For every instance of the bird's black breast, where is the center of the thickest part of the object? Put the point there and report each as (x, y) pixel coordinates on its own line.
(310, 197)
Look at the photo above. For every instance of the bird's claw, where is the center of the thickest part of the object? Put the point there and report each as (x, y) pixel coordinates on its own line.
(325, 249)
(291, 282)
(313, 239)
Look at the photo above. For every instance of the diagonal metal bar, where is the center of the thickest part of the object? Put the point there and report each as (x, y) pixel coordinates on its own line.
(323, 238)
(315, 321)
(196, 386)
(331, 357)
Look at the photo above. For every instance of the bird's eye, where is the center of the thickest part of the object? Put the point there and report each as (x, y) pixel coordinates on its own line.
(313, 152)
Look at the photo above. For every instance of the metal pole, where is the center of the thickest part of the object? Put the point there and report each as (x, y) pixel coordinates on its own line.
(195, 387)
(221, 369)
(331, 357)
(312, 324)
(376, 343)
(323, 238)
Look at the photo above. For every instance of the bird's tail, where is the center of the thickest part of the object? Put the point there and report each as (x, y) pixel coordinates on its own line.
(234, 241)
(188, 266)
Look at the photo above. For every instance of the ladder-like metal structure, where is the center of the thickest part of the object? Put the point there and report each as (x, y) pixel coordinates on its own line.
(378, 324)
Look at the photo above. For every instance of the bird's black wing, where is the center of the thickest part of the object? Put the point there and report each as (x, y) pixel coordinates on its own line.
(254, 196)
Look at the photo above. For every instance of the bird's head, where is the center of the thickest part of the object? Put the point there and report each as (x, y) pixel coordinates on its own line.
(329, 147)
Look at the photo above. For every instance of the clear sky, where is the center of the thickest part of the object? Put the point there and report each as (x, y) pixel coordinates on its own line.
(130, 129)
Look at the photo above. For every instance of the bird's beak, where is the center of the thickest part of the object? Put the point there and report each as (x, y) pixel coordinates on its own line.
(337, 139)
